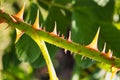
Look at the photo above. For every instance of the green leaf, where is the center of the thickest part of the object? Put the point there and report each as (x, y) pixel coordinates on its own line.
(27, 49)
(63, 2)
(83, 63)
(39, 62)
(32, 13)
(58, 16)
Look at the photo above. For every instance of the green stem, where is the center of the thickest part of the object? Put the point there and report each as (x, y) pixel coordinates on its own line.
(45, 53)
(58, 41)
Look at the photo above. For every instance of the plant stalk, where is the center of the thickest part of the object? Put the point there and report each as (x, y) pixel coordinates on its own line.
(47, 58)
(60, 42)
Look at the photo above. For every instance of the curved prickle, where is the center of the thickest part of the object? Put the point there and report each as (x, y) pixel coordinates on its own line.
(19, 15)
(93, 44)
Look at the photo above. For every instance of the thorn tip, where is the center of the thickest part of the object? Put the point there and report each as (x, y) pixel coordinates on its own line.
(109, 54)
(65, 51)
(104, 48)
(19, 15)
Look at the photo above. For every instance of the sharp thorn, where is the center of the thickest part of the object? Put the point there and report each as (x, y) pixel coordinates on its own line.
(104, 48)
(54, 32)
(40, 27)
(92, 60)
(85, 58)
(109, 54)
(59, 34)
(19, 15)
(44, 29)
(93, 44)
(13, 19)
(18, 34)
(65, 51)
(82, 57)
(36, 23)
(69, 37)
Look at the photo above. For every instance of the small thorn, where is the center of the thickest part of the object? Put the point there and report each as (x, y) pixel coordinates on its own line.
(36, 23)
(44, 29)
(104, 48)
(62, 36)
(19, 34)
(69, 37)
(54, 32)
(59, 34)
(82, 57)
(92, 60)
(65, 51)
(40, 27)
(109, 54)
(13, 19)
(19, 15)
(93, 44)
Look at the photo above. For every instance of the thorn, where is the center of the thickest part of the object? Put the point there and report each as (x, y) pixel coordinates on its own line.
(19, 34)
(65, 51)
(109, 54)
(43, 29)
(59, 34)
(62, 36)
(104, 48)
(36, 23)
(93, 44)
(82, 57)
(19, 15)
(54, 32)
(40, 27)
(69, 37)
(71, 52)
(85, 58)
(13, 19)
(92, 60)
